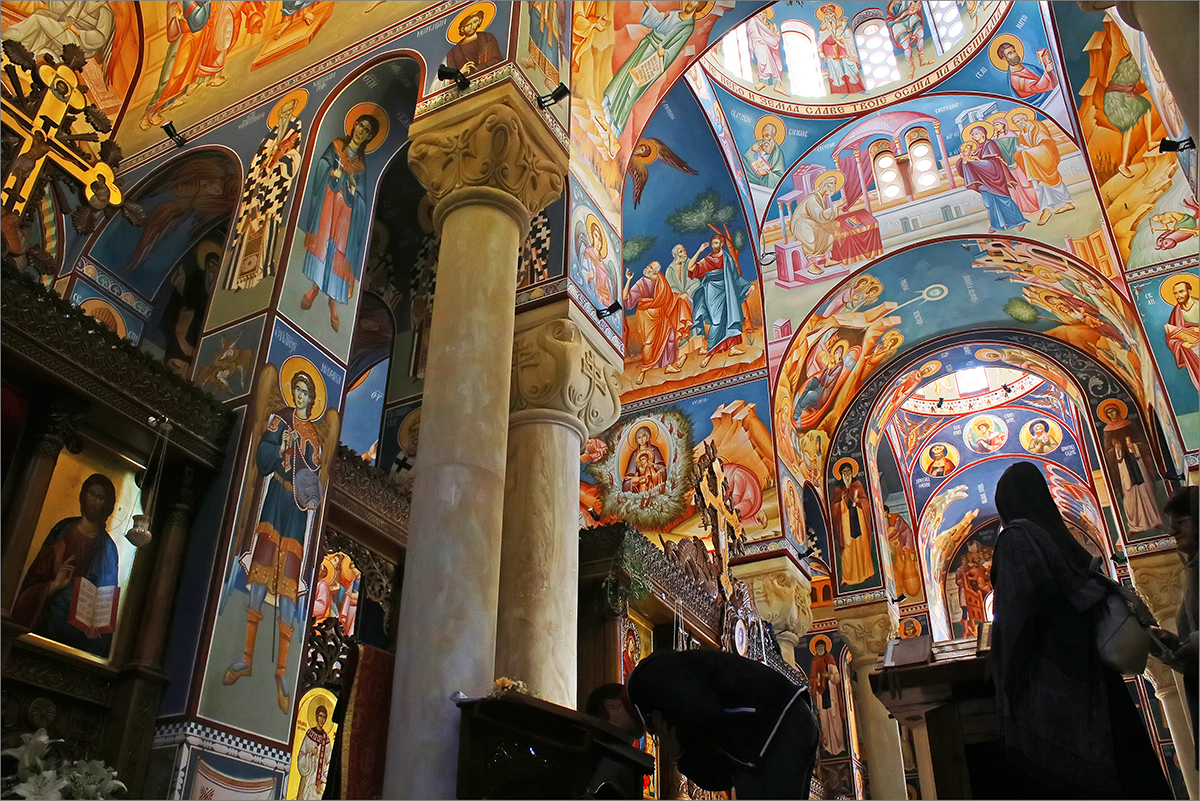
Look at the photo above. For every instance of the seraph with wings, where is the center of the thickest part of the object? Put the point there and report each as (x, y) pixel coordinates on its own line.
(646, 152)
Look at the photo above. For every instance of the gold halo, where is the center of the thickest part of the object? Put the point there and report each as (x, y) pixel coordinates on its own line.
(926, 458)
(912, 620)
(704, 10)
(769, 13)
(839, 177)
(812, 644)
(590, 221)
(380, 117)
(651, 151)
(968, 145)
(994, 50)
(929, 368)
(837, 10)
(1170, 281)
(1108, 403)
(988, 355)
(489, 13)
(999, 116)
(317, 696)
(206, 247)
(988, 130)
(293, 365)
(106, 314)
(404, 434)
(837, 468)
(301, 98)
(1021, 111)
(1053, 427)
(780, 129)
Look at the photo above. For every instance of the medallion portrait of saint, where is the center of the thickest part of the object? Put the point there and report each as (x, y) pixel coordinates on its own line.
(940, 459)
(986, 433)
(1041, 436)
(647, 468)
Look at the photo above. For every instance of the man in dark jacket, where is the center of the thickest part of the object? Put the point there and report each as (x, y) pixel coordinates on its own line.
(728, 721)
(1182, 510)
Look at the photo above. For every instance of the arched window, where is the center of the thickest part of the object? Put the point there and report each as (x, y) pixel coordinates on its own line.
(922, 161)
(947, 23)
(735, 54)
(800, 56)
(887, 171)
(878, 58)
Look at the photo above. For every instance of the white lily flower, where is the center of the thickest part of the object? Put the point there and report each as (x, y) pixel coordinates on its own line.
(45, 785)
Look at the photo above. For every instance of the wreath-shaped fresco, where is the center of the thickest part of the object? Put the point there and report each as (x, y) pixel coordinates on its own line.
(645, 479)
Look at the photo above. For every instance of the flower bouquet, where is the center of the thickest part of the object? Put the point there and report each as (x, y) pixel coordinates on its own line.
(41, 774)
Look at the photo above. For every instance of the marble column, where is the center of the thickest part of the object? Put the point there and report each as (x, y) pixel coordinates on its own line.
(1159, 580)
(562, 391)
(488, 165)
(866, 630)
(782, 596)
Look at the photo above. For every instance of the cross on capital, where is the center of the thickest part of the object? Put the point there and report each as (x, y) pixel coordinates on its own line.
(40, 142)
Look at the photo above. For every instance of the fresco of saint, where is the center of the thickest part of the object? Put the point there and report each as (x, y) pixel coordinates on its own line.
(851, 514)
(667, 33)
(474, 49)
(815, 221)
(983, 170)
(765, 38)
(827, 696)
(337, 222)
(662, 319)
(907, 24)
(647, 468)
(296, 439)
(1038, 158)
(1182, 331)
(312, 761)
(839, 57)
(717, 302)
(764, 158)
(1035, 84)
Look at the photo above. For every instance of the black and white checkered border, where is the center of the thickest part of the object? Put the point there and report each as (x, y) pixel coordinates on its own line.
(195, 735)
(699, 389)
(1192, 459)
(1159, 269)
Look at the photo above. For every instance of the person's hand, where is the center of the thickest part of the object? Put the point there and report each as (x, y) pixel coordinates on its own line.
(285, 443)
(629, 275)
(468, 68)
(335, 173)
(703, 247)
(63, 577)
(91, 632)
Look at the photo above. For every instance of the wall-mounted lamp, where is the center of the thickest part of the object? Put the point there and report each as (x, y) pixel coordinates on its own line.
(611, 310)
(169, 129)
(941, 402)
(448, 73)
(1175, 145)
(561, 92)
(1007, 389)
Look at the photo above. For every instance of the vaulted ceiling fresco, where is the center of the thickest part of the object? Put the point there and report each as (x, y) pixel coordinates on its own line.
(914, 180)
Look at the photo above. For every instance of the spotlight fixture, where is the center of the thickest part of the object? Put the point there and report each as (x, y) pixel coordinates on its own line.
(941, 402)
(560, 93)
(611, 310)
(1007, 389)
(169, 129)
(448, 73)
(1175, 145)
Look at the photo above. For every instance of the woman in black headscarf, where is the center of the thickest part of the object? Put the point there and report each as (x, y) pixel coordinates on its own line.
(1068, 724)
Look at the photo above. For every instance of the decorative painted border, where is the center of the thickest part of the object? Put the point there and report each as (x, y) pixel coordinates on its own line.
(542, 291)
(1164, 267)
(843, 601)
(103, 279)
(499, 75)
(193, 736)
(699, 389)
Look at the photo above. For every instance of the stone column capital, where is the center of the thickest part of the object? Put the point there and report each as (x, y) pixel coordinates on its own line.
(556, 368)
(1162, 677)
(866, 631)
(781, 593)
(490, 147)
(1158, 580)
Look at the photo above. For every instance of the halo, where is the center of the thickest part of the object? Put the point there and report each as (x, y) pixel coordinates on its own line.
(780, 129)
(1051, 426)
(999, 116)
(293, 365)
(489, 13)
(404, 433)
(1019, 110)
(318, 696)
(1168, 284)
(1108, 403)
(106, 314)
(651, 151)
(968, 145)
(590, 221)
(994, 50)
(988, 355)
(837, 468)
(930, 367)
(301, 98)
(988, 130)
(837, 10)
(380, 117)
(838, 175)
(912, 620)
(205, 248)
(812, 644)
(769, 13)
(704, 10)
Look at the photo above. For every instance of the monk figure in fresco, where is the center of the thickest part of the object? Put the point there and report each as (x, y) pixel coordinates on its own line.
(477, 50)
